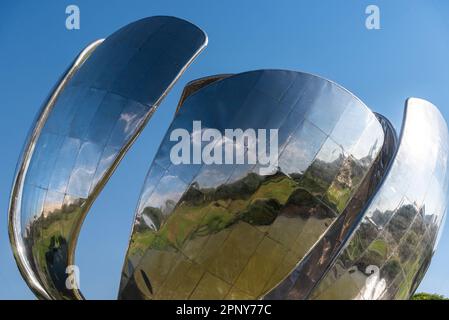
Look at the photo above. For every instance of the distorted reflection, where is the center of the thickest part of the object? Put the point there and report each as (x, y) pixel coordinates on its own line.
(235, 233)
(400, 227)
(287, 185)
(96, 112)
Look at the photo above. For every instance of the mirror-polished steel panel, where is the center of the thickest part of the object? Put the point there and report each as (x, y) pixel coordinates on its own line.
(208, 231)
(389, 252)
(91, 119)
(299, 283)
(346, 212)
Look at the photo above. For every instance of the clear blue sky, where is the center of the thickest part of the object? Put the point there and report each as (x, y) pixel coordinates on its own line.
(409, 56)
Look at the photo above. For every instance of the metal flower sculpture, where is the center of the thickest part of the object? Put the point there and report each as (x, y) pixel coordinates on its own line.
(343, 209)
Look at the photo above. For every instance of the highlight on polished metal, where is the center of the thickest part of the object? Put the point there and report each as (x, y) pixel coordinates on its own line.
(388, 253)
(220, 231)
(349, 211)
(84, 129)
(342, 217)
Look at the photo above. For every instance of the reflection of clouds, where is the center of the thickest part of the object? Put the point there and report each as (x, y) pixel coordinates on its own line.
(84, 170)
(151, 181)
(169, 188)
(330, 152)
(360, 120)
(197, 133)
(363, 140)
(64, 165)
(80, 181)
(32, 202)
(297, 157)
(369, 143)
(302, 148)
(158, 199)
(403, 189)
(233, 148)
(242, 143)
(440, 231)
(442, 167)
(107, 158)
(129, 119)
(213, 175)
(434, 201)
(419, 127)
(53, 202)
(385, 202)
(237, 146)
(212, 152)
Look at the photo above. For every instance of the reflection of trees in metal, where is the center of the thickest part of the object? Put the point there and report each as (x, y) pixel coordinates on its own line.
(220, 232)
(91, 119)
(232, 232)
(349, 213)
(400, 226)
(247, 205)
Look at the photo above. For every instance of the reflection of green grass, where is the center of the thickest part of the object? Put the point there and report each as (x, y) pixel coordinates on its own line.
(376, 253)
(314, 184)
(355, 247)
(52, 234)
(196, 219)
(403, 291)
(380, 247)
(338, 198)
(52, 227)
(279, 189)
(193, 219)
(199, 226)
(385, 254)
(412, 266)
(216, 218)
(140, 242)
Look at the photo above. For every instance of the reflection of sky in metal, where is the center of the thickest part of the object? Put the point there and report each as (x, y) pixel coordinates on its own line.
(399, 231)
(99, 108)
(302, 36)
(202, 225)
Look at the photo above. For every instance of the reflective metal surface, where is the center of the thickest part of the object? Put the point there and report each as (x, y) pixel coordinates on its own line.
(229, 232)
(345, 212)
(307, 273)
(91, 119)
(389, 252)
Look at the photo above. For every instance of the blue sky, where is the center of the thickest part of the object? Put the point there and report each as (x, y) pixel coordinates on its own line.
(409, 56)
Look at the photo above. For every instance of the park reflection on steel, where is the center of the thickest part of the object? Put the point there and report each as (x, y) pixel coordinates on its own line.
(226, 231)
(388, 253)
(90, 120)
(348, 212)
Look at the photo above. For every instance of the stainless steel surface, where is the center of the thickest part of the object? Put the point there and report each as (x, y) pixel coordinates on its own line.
(91, 119)
(389, 252)
(226, 231)
(309, 271)
(346, 212)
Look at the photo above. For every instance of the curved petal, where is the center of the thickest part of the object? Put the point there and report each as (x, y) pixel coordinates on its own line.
(389, 252)
(91, 119)
(314, 265)
(236, 230)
